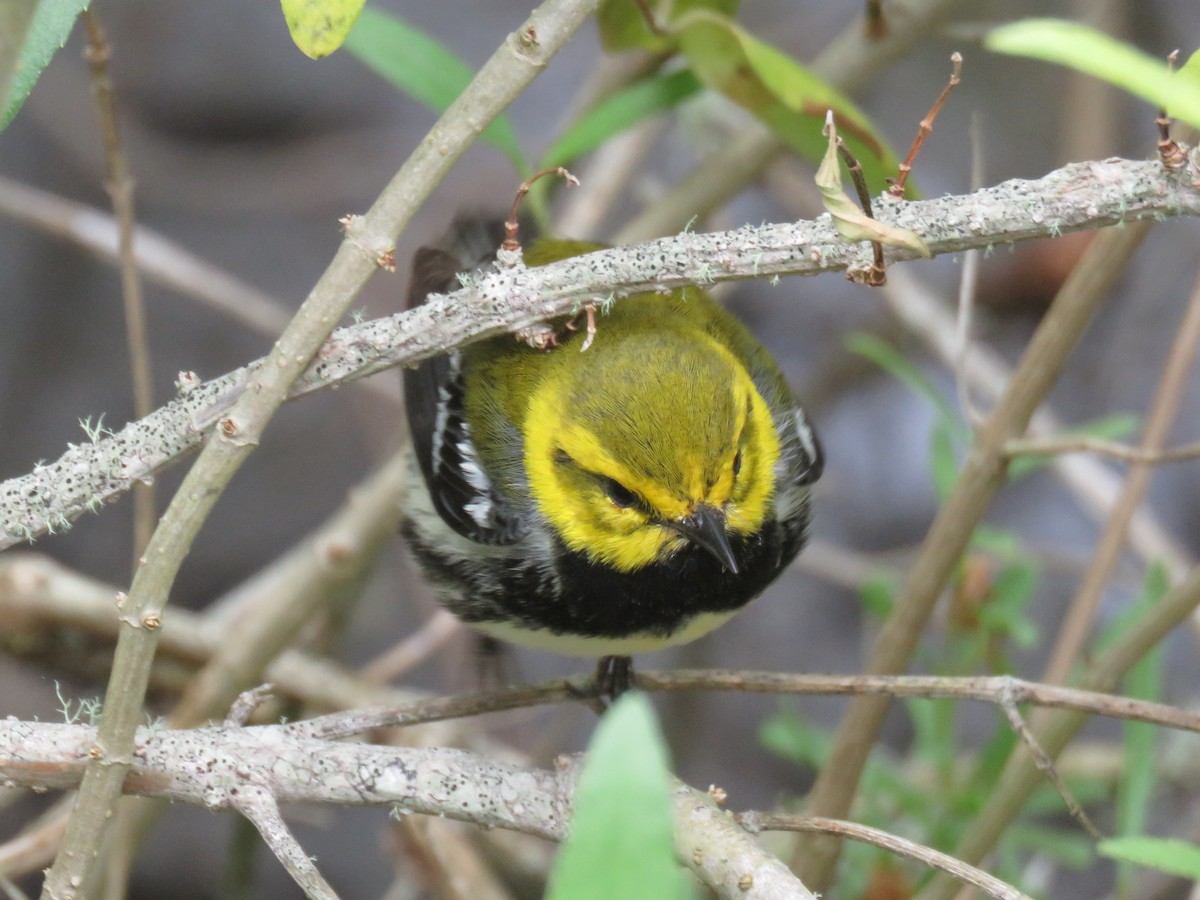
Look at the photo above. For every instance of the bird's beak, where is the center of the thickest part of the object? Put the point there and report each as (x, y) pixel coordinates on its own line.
(706, 527)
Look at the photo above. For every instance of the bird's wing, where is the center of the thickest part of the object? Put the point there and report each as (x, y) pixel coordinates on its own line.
(459, 487)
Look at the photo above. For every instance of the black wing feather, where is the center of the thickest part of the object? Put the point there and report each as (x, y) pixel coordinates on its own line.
(434, 395)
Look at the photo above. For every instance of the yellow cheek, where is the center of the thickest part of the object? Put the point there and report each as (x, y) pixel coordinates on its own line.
(587, 523)
(745, 514)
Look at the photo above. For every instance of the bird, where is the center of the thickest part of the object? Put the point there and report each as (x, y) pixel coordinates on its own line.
(607, 501)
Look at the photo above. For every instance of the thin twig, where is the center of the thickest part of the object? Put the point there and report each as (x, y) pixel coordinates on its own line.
(160, 259)
(1055, 446)
(989, 884)
(1082, 610)
(119, 184)
(925, 128)
(413, 650)
(877, 274)
(513, 222)
(1009, 705)
(997, 690)
(258, 805)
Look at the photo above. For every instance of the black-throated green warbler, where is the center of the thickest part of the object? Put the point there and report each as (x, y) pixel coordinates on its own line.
(607, 502)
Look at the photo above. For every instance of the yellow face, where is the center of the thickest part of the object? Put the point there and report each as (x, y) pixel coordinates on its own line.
(614, 466)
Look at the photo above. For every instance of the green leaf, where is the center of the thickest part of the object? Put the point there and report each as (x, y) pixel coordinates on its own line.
(619, 112)
(424, 69)
(623, 25)
(49, 30)
(783, 94)
(320, 26)
(1174, 857)
(1095, 53)
(622, 842)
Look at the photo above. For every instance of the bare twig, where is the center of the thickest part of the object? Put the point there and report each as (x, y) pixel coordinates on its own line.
(1046, 766)
(367, 243)
(989, 884)
(967, 288)
(413, 650)
(1055, 446)
(998, 690)
(512, 224)
(435, 858)
(648, 15)
(119, 184)
(876, 275)
(925, 128)
(160, 259)
(257, 804)
(291, 591)
(1082, 610)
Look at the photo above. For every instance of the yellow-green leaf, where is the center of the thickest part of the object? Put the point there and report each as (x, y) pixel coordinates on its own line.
(623, 25)
(320, 26)
(849, 220)
(1170, 855)
(782, 93)
(48, 31)
(622, 110)
(1094, 53)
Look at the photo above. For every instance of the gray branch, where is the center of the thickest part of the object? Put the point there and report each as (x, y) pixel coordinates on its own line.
(253, 770)
(1076, 197)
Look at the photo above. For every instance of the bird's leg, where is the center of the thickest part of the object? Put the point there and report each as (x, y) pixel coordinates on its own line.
(614, 676)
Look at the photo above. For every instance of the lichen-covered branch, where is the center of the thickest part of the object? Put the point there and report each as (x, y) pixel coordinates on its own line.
(253, 770)
(1078, 196)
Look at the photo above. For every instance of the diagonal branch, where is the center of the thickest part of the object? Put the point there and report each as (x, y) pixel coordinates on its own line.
(1079, 196)
(368, 244)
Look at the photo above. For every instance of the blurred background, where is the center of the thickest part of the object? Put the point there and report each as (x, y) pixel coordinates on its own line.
(247, 153)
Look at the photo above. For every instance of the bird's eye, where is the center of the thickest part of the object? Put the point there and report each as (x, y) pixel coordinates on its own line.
(620, 495)
(737, 463)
